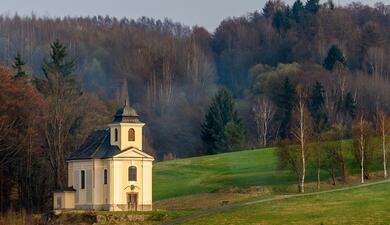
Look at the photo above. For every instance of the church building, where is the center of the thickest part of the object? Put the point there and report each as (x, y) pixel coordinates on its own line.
(110, 171)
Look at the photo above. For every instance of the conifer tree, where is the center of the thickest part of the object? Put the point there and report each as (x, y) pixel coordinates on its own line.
(312, 6)
(334, 55)
(234, 135)
(281, 20)
(285, 102)
(18, 65)
(317, 100)
(62, 118)
(297, 10)
(222, 129)
(59, 70)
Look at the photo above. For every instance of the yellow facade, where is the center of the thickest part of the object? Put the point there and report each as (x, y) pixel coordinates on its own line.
(63, 200)
(127, 182)
(113, 196)
(123, 130)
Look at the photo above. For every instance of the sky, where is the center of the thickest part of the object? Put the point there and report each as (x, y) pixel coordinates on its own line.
(206, 13)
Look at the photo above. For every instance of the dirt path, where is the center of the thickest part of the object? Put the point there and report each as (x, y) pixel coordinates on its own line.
(281, 197)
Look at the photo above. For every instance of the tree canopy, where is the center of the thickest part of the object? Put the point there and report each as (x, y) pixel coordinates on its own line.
(222, 130)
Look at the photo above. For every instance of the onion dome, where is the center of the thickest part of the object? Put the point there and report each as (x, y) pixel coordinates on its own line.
(126, 114)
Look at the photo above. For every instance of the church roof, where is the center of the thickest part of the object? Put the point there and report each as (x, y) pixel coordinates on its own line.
(96, 146)
(126, 114)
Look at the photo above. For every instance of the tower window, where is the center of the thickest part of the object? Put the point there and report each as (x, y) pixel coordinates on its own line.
(132, 173)
(105, 176)
(116, 134)
(131, 134)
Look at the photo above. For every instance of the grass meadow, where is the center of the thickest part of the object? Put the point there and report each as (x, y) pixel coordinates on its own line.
(368, 205)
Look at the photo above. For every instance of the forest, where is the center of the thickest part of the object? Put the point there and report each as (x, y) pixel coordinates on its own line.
(253, 82)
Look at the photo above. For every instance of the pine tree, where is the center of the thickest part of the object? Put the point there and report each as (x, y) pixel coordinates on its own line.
(281, 20)
(334, 55)
(285, 102)
(58, 61)
(317, 100)
(234, 135)
(62, 118)
(297, 10)
(221, 115)
(312, 6)
(18, 65)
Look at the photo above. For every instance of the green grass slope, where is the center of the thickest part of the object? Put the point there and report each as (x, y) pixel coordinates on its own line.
(368, 205)
(210, 173)
(240, 169)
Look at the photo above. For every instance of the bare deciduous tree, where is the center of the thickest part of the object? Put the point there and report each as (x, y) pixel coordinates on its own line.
(363, 149)
(301, 131)
(333, 152)
(383, 127)
(264, 111)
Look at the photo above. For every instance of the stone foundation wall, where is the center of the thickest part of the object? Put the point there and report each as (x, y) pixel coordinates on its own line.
(113, 207)
(90, 217)
(123, 207)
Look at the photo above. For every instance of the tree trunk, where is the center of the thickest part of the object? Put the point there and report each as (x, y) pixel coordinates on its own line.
(303, 159)
(1, 192)
(303, 148)
(318, 173)
(344, 176)
(384, 147)
(362, 167)
(332, 175)
(361, 149)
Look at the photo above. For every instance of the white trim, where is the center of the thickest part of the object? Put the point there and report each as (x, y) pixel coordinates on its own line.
(135, 150)
(132, 124)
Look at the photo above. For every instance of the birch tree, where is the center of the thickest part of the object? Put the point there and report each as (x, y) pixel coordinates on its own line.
(362, 145)
(362, 142)
(383, 127)
(301, 131)
(263, 111)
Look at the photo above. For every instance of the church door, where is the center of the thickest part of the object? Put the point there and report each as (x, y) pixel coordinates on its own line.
(132, 201)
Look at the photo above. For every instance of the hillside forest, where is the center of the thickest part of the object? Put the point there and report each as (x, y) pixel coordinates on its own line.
(284, 75)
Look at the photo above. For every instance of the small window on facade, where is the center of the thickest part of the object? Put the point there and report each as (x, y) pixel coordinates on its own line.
(105, 176)
(131, 134)
(82, 176)
(116, 134)
(132, 173)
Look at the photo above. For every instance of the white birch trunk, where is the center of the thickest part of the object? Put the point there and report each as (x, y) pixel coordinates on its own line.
(302, 134)
(383, 123)
(362, 149)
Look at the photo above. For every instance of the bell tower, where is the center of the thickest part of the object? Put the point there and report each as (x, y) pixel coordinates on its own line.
(126, 128)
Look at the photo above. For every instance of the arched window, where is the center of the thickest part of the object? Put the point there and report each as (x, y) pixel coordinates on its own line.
(116, 134)
(131, 134)
(132, 173)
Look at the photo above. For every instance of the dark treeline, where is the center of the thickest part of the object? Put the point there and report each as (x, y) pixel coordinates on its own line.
(265, 60)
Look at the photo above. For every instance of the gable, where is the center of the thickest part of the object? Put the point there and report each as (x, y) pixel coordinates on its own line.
(133, 153)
